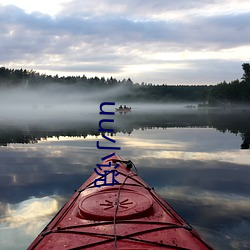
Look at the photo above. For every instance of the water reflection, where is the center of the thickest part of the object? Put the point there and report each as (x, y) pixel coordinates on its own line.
(28, 211)
(233, 121)
(192, 160)
(20, 222)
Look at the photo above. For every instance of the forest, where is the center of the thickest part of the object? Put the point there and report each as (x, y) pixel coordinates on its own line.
(224, 93)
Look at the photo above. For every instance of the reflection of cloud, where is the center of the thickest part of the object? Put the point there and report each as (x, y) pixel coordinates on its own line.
(200, 144)
(223, 156)
(54, 156)
(22, 222)
(2, 209)
(221, 218)
(70, 139)
(191, 139)
(29, 213)
(228, 203)
(145, 143)
(25, 220)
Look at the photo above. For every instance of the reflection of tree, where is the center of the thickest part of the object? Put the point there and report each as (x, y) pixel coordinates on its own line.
(246, 141)
(19, 134)
(16, 137)
(237, 122)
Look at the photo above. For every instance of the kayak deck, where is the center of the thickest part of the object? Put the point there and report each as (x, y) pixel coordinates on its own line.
(128, 215)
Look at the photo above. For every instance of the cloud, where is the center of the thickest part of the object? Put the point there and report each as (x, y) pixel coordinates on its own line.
(115, 38)
(141, 10)
(225, 31)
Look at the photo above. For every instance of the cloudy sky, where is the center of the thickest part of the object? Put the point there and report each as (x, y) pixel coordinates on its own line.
(157, 41)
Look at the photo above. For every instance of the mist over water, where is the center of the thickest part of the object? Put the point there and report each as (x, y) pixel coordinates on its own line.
(45, 103)
(64, 108)
(63, 103)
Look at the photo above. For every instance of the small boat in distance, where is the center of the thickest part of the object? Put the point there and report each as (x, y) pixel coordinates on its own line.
(124, 109)
(116, 209)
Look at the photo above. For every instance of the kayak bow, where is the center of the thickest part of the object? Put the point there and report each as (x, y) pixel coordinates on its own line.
(129, 215)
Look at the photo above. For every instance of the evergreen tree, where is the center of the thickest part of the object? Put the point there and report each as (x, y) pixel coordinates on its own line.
(246, 69)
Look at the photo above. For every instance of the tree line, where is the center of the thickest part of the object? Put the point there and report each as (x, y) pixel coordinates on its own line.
(236, 91)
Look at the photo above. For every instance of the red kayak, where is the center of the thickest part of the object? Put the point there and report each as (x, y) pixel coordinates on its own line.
(116, 209)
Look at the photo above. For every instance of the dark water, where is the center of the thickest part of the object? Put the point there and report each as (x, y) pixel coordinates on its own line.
(197, 160)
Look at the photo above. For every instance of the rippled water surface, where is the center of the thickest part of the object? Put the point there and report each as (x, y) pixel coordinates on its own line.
(197, 160)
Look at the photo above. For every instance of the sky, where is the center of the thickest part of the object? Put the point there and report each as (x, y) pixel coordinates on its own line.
(153, 41)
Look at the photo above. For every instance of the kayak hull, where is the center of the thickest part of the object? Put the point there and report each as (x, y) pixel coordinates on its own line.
(126, 215)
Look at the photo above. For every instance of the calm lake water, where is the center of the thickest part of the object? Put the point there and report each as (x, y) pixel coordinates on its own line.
(197, 160)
